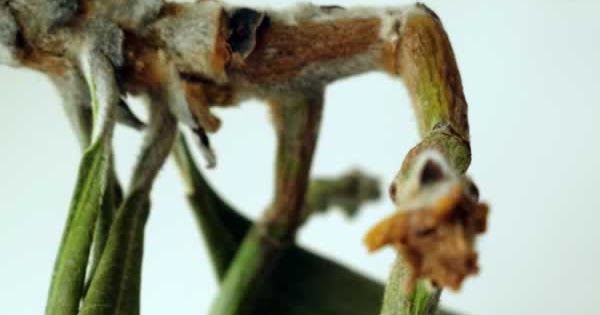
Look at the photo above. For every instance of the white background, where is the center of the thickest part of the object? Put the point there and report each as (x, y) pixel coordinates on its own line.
(531, 75)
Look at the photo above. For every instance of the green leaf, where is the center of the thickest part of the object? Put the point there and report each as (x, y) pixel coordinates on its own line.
(67, 286)
(111, 201)
(306, 283)
(115, 285)
(116, 282)
(303, 283)
(70, 267)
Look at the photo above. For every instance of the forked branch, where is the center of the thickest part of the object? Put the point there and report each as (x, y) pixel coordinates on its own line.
(187, 57)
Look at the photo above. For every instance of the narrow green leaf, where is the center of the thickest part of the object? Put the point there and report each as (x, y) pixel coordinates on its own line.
(307, 283)
(70, 267)
(115, 285)
(208, 211)
(67, 286)
(111, 201)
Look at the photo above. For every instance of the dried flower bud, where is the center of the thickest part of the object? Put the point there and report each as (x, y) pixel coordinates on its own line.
(435, 227)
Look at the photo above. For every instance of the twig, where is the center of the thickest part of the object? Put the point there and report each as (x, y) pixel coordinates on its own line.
(348, 192)
(431, 180)
(214, 53)
(297, 121)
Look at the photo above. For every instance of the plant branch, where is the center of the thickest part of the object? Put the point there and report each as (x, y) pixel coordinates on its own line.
(297, 121)
(443, 209)
(227, 53)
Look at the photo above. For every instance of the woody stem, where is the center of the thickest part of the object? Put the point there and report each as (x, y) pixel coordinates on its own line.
(428, 68)
(297, 120)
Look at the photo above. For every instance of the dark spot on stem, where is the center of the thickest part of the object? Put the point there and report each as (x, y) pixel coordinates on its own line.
(243, 25)
(195, 78)
(204, 141)
(432, 172)
(330, 8)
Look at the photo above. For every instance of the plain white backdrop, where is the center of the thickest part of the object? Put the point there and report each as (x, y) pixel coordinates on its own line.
(531, 75)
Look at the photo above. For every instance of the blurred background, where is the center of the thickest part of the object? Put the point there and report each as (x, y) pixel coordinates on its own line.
(531, 73)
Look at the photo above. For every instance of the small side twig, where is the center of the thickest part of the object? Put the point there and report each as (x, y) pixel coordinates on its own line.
(348, 192)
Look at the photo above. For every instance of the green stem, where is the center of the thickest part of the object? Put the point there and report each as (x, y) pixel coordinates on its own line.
(429, 70)
(297, 121)
(246, 275)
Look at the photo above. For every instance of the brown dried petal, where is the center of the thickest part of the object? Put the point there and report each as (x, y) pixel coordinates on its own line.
(437, 241)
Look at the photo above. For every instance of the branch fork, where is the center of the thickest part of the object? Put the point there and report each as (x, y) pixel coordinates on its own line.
(186, 57)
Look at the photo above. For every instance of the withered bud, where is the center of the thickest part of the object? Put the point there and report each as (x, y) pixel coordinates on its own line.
(434, 230)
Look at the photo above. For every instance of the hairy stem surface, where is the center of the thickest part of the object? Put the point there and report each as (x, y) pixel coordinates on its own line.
(297, 121)
(429, 69)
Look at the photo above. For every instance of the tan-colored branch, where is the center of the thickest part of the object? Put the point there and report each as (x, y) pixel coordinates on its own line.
(208, 54)
(428, 67)
(438, 210)
(297, 121)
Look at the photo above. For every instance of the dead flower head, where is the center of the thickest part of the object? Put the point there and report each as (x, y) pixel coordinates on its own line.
(434, 230)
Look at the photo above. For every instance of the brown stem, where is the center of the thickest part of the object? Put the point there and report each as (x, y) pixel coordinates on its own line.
(435, 236)
(297, 121)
